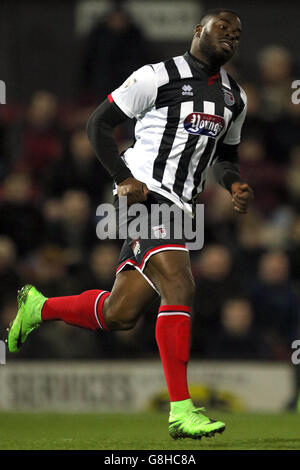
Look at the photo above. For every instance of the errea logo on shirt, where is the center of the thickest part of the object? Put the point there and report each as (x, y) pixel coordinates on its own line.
(187, 90)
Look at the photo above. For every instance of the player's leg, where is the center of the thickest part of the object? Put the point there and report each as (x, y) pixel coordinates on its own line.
(94, 309)
(97, 309)
(131, 297)
(170, 272)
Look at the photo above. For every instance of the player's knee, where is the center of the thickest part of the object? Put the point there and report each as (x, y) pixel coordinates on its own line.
(120, 317)
(188, 289)
(178, 289)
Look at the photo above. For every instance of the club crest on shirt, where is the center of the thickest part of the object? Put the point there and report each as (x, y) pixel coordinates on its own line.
(159, 231)
(228, 97)
(204, 124)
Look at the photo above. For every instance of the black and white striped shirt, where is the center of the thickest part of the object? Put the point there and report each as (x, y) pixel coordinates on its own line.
(182, 113)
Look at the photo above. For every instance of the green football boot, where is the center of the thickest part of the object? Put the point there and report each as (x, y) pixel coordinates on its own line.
(29, 316)
(194, 424)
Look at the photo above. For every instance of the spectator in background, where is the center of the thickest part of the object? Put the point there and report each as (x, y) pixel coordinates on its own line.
(275, 68)
(70, 225)
(267, 179)
(275, 303)
(220, 219)
(39, 136)
(236, 337)
(99, 268)
(74, 344)
(48, 268)
(8, 311)
(20, 218)
(103, 262)
(104, 68)
(282, 124)
(293, 178)
(215, 283)
(249, 246)
(294, 249)
(253, 125)
(78, 169)
(282, 135)
(3, 147)
(10, 280)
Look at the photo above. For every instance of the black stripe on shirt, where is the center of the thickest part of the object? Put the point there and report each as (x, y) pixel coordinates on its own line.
(202, 164)
(171, 127)
(183, 165)
(207, 153)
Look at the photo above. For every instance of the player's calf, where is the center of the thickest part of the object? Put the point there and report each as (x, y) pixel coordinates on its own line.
(178, 289)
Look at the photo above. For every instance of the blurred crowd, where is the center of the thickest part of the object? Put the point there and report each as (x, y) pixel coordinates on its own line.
(248, 273)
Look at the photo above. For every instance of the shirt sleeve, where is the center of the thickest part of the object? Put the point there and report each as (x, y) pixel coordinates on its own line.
(100, 131)
(138, 93)
(226, 166)
(233, 136)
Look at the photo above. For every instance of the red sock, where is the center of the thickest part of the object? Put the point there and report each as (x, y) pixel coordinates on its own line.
(173, 339)
(83, 310)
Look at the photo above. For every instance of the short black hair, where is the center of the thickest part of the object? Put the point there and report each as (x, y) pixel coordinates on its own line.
(215, 12)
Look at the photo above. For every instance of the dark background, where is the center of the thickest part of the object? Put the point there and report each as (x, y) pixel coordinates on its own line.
(40, 49)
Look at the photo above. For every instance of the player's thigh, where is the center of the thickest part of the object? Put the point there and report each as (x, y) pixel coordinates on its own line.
(130, 297)
(171, 273)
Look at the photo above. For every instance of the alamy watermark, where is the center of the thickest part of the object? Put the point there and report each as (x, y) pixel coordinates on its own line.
(2, 92)
(159, 221)
(296, 354)
(2, 353)
(296, 93)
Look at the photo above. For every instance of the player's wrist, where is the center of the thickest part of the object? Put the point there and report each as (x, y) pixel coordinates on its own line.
(123, 175)
(231, 180)
(235, 185)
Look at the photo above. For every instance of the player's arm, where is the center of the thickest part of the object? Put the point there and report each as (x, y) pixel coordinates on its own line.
(100, 130)
(227, 173)
(226, 166)
(128, 101)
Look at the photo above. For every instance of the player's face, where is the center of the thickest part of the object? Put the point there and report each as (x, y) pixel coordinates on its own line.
(220, 36)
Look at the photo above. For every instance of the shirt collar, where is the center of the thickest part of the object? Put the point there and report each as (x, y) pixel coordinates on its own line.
(200, 66)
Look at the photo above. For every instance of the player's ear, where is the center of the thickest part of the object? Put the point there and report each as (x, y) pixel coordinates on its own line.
(197, 30)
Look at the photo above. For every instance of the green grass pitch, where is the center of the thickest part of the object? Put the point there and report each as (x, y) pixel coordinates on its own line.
(142, 431)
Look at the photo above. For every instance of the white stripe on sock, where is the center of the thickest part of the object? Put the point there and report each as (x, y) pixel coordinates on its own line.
(96, 306)
(173, 313)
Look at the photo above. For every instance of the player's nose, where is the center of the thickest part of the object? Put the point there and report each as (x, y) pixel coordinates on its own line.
(230, 35)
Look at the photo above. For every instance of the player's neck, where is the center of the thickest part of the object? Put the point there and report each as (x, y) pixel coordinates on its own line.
(203, 62)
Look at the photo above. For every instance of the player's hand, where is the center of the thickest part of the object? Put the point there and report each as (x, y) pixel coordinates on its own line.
(135, 190)
(242, 196)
